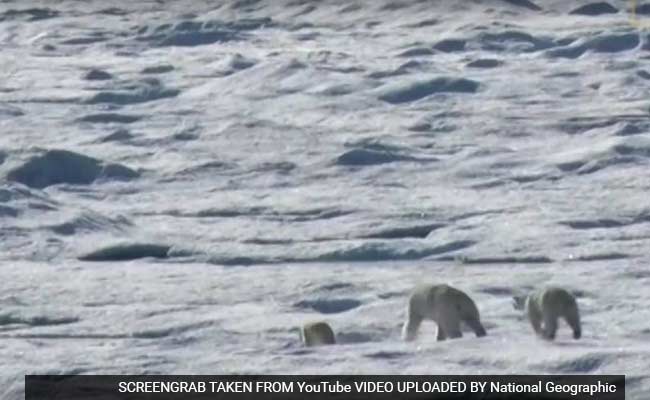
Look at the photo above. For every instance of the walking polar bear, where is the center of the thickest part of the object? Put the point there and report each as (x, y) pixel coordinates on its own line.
(317, 334)
(546, 306)
(447, 307)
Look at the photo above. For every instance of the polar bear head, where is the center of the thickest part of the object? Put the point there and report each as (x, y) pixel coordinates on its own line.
(519, 302)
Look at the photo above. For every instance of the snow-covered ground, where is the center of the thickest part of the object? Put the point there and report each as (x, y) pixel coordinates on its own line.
(185, 183)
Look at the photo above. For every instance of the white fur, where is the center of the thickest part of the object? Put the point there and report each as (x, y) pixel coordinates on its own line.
(545, 306)
(446, 306)
(317, 334)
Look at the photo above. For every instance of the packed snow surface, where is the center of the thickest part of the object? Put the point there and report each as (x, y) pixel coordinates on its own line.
(185, 183)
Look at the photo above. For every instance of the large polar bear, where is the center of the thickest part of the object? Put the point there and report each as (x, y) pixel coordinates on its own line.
(546, 306)
(445, 305)
(317, 334)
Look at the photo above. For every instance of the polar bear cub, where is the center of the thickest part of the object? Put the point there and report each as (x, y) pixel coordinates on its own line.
(545, 306)
(446, 306)
(317, 334)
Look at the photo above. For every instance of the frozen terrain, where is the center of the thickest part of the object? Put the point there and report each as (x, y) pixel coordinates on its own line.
(185, 183)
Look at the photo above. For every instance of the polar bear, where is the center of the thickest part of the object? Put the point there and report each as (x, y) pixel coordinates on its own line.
(316, 334)
(545, 306)
(446, 306)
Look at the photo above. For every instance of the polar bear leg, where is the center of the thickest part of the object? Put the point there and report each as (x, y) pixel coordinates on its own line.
(470, 316)
(453, 331)
(550, 325)
(441, 334)
(411, 326)
(534, 316)
(448, 322)
(572, 317)
(476, 326)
